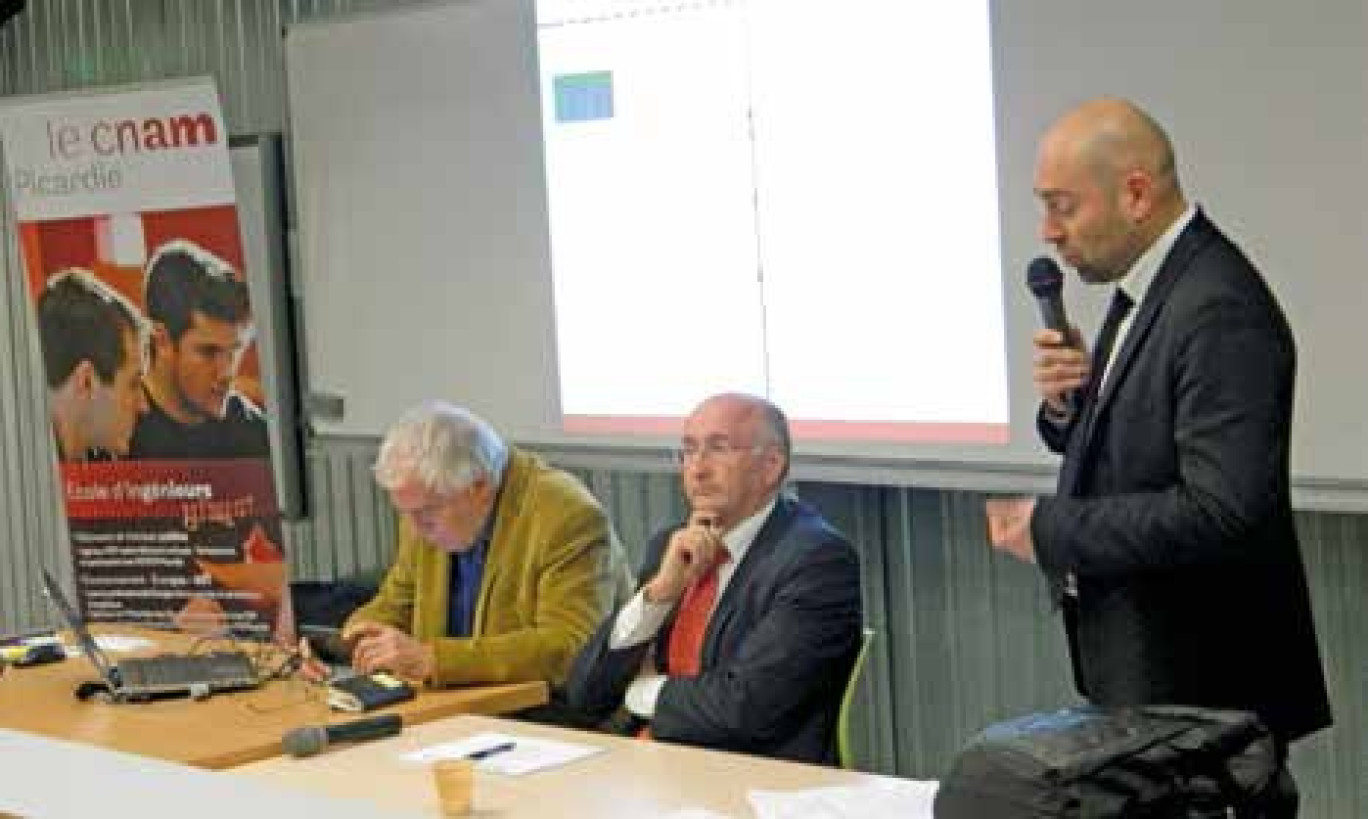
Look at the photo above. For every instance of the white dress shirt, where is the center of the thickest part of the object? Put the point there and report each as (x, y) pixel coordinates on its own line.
(1136, 283)
(640, 620)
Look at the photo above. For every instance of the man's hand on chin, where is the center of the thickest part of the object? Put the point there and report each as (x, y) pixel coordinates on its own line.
(690, 553)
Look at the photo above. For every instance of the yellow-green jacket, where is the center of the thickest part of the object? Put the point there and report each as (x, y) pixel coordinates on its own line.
(544, 590)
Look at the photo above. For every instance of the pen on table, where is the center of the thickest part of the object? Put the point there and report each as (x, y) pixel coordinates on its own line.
(485, 753)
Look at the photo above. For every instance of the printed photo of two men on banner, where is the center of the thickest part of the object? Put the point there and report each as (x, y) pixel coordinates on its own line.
(155, 394)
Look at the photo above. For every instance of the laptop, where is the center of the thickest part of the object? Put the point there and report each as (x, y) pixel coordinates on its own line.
(161, 676)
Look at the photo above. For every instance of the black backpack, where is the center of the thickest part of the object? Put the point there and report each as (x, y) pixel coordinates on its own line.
(1091, 763)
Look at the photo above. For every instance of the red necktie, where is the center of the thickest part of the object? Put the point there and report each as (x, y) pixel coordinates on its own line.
(685, 652)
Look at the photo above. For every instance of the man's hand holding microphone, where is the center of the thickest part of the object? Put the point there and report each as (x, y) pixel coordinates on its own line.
(1061, 364)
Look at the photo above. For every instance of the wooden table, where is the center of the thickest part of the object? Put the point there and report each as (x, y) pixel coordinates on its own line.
(218, 732)
(630, 779)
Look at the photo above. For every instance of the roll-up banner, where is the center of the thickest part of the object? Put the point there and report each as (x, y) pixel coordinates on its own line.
(128, 228)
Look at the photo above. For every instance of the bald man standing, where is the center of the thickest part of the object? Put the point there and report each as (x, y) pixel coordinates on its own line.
(1170, 540)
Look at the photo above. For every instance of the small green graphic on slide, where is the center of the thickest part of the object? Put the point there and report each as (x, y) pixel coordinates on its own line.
(584, 97)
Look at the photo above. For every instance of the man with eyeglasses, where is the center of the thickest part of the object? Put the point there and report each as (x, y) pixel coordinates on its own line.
(504, 564)
(744, 633)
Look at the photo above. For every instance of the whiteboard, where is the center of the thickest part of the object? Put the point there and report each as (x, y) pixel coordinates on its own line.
(419, 185)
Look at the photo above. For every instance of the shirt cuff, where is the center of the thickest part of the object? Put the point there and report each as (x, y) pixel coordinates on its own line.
(643, 693)
(638, 622)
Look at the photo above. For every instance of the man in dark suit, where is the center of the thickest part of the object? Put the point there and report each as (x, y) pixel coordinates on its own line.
(743, 636)
(1171, 540)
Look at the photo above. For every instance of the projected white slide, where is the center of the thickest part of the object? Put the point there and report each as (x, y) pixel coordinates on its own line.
(788, 197)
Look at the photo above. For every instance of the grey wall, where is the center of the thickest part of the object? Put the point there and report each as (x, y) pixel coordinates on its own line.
(964, 636)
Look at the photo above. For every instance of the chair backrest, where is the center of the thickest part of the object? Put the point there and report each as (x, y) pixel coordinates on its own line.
(616, 582)
(845, 753)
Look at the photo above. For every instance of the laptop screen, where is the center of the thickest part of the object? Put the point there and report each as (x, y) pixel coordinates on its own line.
(78, 628)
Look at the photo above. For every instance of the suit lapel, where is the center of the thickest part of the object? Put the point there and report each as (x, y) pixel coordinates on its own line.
(488, 582)
(765, 540)
(435, 591)
(506, 503)
(1193, 238)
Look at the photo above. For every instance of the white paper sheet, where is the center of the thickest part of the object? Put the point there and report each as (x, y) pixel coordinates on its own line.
(113, 643)
(122, 642)
(884, 798)
(528, 753)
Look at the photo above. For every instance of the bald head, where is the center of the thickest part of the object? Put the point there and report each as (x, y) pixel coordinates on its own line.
(734, 456)
(769, 422)
(1107, 177)
(1112, 138)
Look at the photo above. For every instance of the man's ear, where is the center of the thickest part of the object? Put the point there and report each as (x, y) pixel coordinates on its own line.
(773, 465)
(483, 491)
(84, 378)
(159, 338)
(1138, 190)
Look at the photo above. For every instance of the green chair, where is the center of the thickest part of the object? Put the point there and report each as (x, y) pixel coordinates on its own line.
(845, 753)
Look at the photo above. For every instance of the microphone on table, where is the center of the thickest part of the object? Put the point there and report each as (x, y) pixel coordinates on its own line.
(308, 740)
(1046, 282)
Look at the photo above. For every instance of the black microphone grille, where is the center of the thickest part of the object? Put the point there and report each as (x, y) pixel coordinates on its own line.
(1044, 277)
(306, 740)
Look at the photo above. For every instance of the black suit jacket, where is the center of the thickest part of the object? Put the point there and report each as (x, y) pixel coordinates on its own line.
(776, 655)
(1173, 509)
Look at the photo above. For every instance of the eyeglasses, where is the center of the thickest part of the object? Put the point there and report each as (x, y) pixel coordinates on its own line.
(710, 450)
(427, 512)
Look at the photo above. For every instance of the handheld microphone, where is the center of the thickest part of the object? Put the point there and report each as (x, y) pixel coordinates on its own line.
(308, 740)
(1046, 281)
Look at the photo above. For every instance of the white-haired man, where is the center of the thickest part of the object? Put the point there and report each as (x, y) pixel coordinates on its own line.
(504, 564)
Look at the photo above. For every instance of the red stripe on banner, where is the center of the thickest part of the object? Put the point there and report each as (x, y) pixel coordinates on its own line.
(223, 491)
